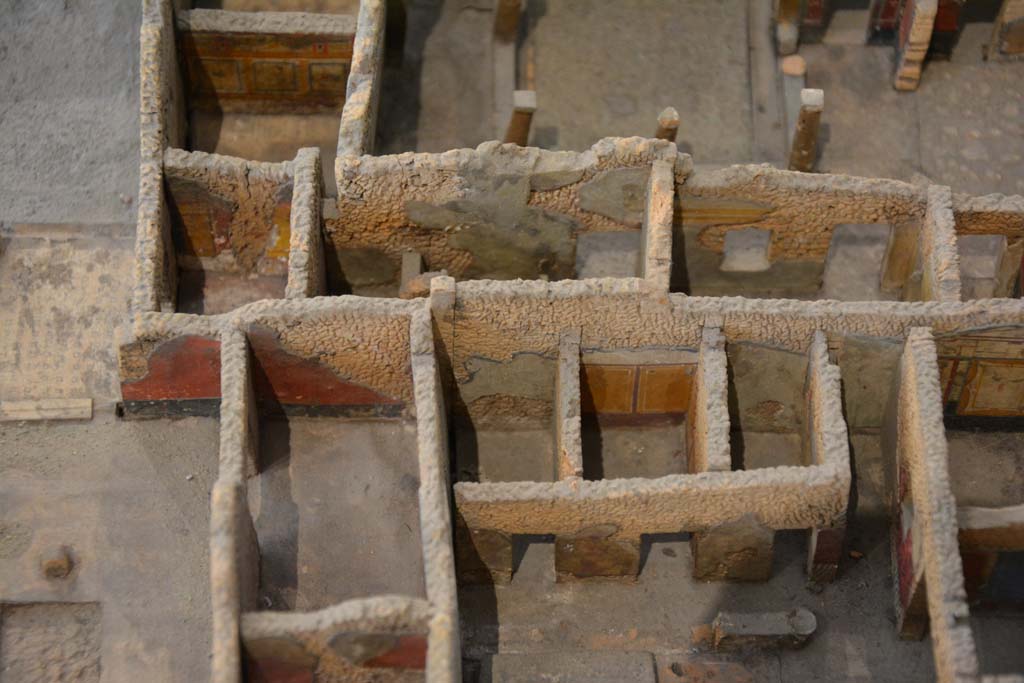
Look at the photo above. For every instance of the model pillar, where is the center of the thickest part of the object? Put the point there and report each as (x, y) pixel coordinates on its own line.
(787, 26)
(506, 19)
(805, 137)
(524, 103)
(825, 548)
(596, 553)
(915, 35)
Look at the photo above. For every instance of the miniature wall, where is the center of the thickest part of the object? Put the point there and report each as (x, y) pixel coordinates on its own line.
(362, 95)
(925, 551)
(801, 212)
(161, 124)
(169, 365)
(504, 362)
(229, 214)
(365, 639)
(597, 522)
(496, 212)
(241, 230)
(507, 330)
(779, 498)
(999, 218)
(612, 319)
(350, 360)
(373, 639)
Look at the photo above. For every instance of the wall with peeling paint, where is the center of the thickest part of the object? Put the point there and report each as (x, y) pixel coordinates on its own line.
(496, 212)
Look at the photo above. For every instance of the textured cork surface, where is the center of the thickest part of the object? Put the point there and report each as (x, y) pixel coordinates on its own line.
(499, 211)
(802, 209)
(362, 94)
(334, 642)
(922, 451)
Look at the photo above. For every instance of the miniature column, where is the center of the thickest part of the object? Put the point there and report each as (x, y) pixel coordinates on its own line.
(915, 35)
(506, 19)
(598, 551)
(794, 80)
(787, 26)
(668, 124)
(741, 549)
(1007, 40)
(411, 284)
(805, 136)
(524, 103)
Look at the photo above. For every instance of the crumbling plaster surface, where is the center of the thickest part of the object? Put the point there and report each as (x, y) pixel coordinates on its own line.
(707, 422)
(939, 255)
(322, 636)
(364, 340)
(922, 450)
(656, 233)
(252, 190)
(990, 214)
(498, 320)
(161, 123)
(504, 339)
(444, 654)
(306, 249)
(148, 330)
(475, 212)
(780, 498)
(316, 635)
(61, 295)
(362, 93)
(802, 208)
(828, 434)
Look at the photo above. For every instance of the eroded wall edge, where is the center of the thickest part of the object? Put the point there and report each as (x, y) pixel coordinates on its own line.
(359, 115)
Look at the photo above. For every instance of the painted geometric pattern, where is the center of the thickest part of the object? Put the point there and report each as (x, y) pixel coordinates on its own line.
(256, 71)
(982, 373)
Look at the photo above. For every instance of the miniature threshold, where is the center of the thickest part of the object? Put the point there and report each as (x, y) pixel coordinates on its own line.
(431, 370)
